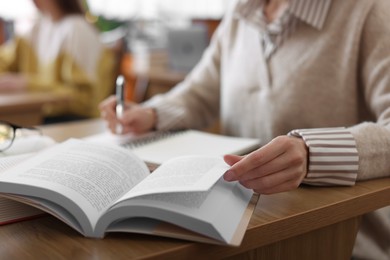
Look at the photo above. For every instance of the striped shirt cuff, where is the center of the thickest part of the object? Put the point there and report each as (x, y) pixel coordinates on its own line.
(333, 157)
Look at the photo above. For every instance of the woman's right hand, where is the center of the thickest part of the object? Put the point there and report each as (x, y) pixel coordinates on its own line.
(136, 119)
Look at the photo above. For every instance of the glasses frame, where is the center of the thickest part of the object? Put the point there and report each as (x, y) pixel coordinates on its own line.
(14, 128)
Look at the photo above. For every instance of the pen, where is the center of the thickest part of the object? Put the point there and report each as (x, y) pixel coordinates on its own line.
(120, 100)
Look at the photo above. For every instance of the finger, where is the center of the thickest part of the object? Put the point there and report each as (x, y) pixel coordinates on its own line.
(288, 179)
(112, 127)
(232, 159)
(258, 157)
(109, 116)
(139, 119)
(130, 115)
(136, 128)
(132, 121)
(106, 114)
(130, 104)
(131, 129)
(283, 161)
(108, 103)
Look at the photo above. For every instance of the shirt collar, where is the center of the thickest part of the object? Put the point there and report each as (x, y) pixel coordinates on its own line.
(312, 12)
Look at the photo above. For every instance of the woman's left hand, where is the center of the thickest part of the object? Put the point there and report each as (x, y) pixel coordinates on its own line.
(278, 166)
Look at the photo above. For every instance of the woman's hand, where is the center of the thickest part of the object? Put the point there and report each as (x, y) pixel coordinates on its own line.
(278, 166)
(136, 119)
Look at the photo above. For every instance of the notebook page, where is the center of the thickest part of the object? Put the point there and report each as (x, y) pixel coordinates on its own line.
(159, 147)
(193, 142)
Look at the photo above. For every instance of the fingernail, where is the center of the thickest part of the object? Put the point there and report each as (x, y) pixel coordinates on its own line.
(229, 175)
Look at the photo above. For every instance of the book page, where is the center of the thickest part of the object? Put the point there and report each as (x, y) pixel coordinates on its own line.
(9, 161)
(216, 213)
(91, 175)
(10, 210)
(193, 142)
(182, 174)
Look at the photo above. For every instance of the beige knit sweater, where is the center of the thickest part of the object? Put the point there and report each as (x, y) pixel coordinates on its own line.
(335, 77)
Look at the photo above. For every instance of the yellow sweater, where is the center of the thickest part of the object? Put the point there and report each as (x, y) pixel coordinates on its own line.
(65, 56)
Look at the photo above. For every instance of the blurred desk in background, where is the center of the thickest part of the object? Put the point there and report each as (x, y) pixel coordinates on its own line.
(157, 77)
(153, 70)
(26, 108)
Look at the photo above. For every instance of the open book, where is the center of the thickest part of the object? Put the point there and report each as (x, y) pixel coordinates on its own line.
(98, 188)
(12, 211)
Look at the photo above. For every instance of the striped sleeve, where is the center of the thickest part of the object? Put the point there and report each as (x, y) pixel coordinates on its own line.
(333, 157)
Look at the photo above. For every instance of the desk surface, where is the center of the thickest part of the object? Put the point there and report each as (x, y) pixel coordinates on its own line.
(277, 218)
(26, 108)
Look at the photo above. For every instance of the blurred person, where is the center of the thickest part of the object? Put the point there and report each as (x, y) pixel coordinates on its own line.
(311, 80)
(62, 53)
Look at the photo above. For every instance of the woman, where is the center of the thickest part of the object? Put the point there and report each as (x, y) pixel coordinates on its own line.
(311, 80)
(62, 53)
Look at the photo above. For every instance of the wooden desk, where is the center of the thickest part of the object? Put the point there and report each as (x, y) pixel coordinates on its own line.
(307, 223)
(27, 108)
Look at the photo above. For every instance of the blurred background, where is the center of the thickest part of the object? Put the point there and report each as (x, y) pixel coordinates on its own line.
(156, 42)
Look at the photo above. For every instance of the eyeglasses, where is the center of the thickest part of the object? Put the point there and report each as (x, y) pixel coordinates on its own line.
(9, 132)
